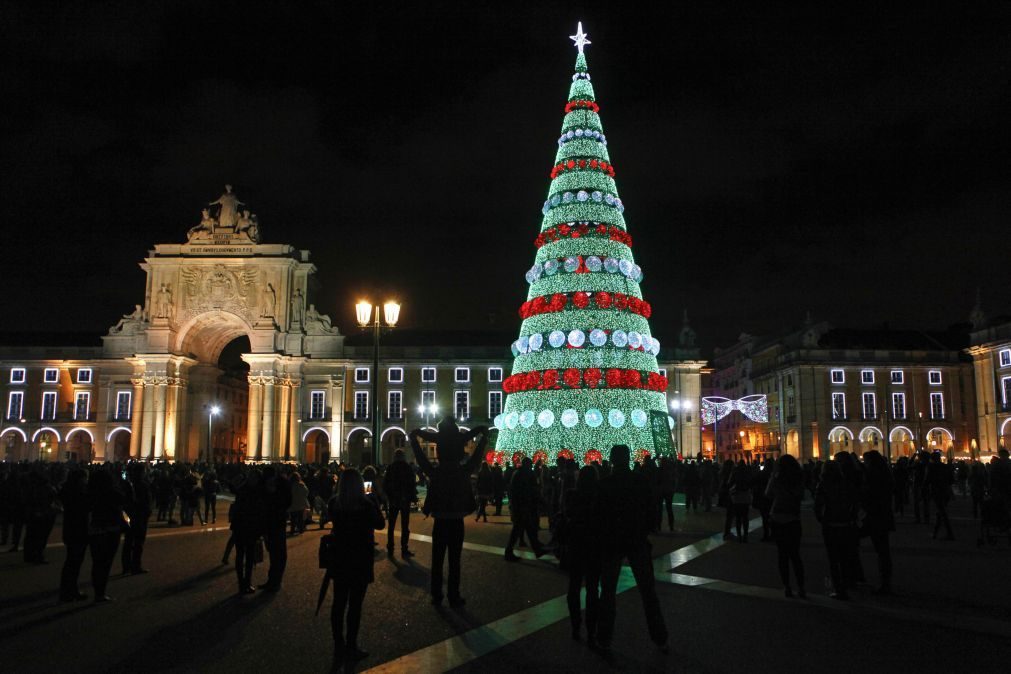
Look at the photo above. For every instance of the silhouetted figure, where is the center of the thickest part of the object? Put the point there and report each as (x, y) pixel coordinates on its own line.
(107, 522)
(247, 525)
(276, 501)
(582, 539)
(785, 491)
(977, 486)
(401, 491)
(40, 515)
(723, 497)
(879, 521)
(523, 499)
(693, 490)
(355, 518)
(484, 488)
(939, 480)
(74, 497)
(921, 496)
(299, 504)
(137, 503)
(450, 498)
(759, 483)
(740, 499)
(835, 507)
(498, 483)
(211, 487)
(625, 511)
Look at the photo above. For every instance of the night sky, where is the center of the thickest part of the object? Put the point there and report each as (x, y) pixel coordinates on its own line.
(773, 161)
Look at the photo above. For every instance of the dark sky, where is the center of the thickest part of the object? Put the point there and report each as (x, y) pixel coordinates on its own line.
(851, 162)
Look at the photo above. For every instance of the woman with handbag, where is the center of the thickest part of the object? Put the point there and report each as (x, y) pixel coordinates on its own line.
(107, 523)
(354, 516)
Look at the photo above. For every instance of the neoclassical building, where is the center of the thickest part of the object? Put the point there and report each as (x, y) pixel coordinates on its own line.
(225, 355)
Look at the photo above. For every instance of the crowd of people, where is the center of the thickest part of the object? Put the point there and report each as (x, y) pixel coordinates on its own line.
(598, 516)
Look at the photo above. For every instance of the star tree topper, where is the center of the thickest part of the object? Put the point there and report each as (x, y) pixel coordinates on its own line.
(580, 37)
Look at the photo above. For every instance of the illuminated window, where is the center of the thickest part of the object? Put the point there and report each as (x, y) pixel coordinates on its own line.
(898, 405)
(936, 405)
(462, 405)
(123, 405)
(428, 374)
(494, 404)
(494, 374)
(361, 375)
(17, 375)
(15, 404)
(935, 377)
(317, 404)
(897, 377)
(838, 405)
(462, 375)
(361, 404)
(82, 405)
(1005, 357)
(84, 375)
(870, 406)
(838, 377)
(866, 376)
(51, 375)
(394, 405)
(396, 375)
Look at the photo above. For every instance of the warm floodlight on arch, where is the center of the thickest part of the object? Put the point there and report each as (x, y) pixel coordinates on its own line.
(43, 430)
(392, 428)
(754, 407)
(315, 428)
(15, 429)
(113, 432)
(79, 429)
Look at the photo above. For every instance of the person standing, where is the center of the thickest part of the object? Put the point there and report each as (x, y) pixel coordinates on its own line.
(450, 498)
(498, 488)
(355, 518)
(484, 488)
(666, 483)
(137, 503)
(625, 511)
(740, 498)
(247, 526)
(879, 520)
(938, 481)
(582, 537)
(977, 486)
(399, 485)
(211, 487)
(107, 522)
(299, 504)
(835, 507)
(74, 497)
(693, 487)
(784, 492)
(523, 496)
(276, 501)
(41, 507)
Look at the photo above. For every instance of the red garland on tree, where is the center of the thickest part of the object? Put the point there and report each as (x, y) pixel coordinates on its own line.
(600, 230)
(566, 454)
(603, 300)
(576, 105)
(593, 456)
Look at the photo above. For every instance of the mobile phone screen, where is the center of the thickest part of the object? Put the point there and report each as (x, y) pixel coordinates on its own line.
(368, 487)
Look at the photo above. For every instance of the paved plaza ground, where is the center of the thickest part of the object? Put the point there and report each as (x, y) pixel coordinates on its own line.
(722, 600)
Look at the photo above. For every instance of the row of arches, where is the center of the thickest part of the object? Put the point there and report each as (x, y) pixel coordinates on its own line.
(901, 439)
(47, 444)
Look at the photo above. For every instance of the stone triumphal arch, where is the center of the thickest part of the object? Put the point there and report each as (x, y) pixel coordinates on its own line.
(224, 285)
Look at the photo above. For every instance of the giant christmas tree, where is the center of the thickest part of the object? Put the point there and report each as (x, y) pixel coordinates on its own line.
(585, 375)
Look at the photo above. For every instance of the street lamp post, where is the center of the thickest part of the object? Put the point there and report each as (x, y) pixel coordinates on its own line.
(426, 410)
(211, 413)
(919, 431)
(364, 314)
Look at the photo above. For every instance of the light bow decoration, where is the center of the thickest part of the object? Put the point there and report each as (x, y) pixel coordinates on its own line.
(755, 407)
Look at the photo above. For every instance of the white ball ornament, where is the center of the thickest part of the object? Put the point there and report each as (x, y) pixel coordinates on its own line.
(609, 199)
(545, 418)
(625, 267)
(550, 267)
(593, 418)
(536, 341)
(571, 264)
(593, 263)
(619, 338)
(582, 195)
(616, 418)
(568, 197)
(570, 418)
(511, 420)
(555, 199)
(597, 196)
(524, 344)
(655, 349)
(527, 419)
(610, 265)
(579, 133)
(556, 338)
(639, 418)
(670, 422)
(577, 338)
(498, 421)
(598, 337)
(634, 340)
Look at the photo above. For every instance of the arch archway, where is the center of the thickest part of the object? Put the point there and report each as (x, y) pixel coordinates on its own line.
(840, 439)
(359, 447)
(939, 439)
(47, 445)
(206, 335)
(317, 445)
(793, 443)
(14, 444)
(392, 439)
(117, 447)
(870, 439)
(901, 440)
(80, 445)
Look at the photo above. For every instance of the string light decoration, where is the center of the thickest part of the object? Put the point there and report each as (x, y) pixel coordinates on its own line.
(755, 407)
(585, 375)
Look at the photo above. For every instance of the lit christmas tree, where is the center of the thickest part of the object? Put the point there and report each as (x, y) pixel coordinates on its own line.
(585, 375)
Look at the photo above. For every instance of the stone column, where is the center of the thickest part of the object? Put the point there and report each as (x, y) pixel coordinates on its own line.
(268, 419)
(136, 414)
(147, 422)
(172, 421)
(282, 419)
(253, 422)
(160, 392)
(294, 432)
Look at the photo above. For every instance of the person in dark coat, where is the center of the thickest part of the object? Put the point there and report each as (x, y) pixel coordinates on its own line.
(625, 511)
(523, 500)
(211, 487)
(401, 491)
(582, 539)
(355, 518)
(692, 486)
(450, 498)
(879, 520)
(484, 489)
(835, 507)
(939, 479)
(107, 522)
(247, 526)
(40, 514)
(276, 501)
(74, 497)
(666, 483)
(137, 495)
(498, 484)
(784, 492)
(740, 498)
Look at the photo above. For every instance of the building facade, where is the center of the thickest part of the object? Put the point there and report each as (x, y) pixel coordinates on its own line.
(990, 350)
(159, 386)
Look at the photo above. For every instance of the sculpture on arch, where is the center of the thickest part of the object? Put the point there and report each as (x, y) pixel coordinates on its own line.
(228, 213)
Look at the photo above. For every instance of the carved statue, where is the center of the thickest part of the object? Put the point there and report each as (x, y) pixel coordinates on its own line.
(254, 228)
(313, 317)
(207, 225)
(297, 305)
(227, 216)
(269, 302)
(163, 303)
(130, 324)
(244, 222)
